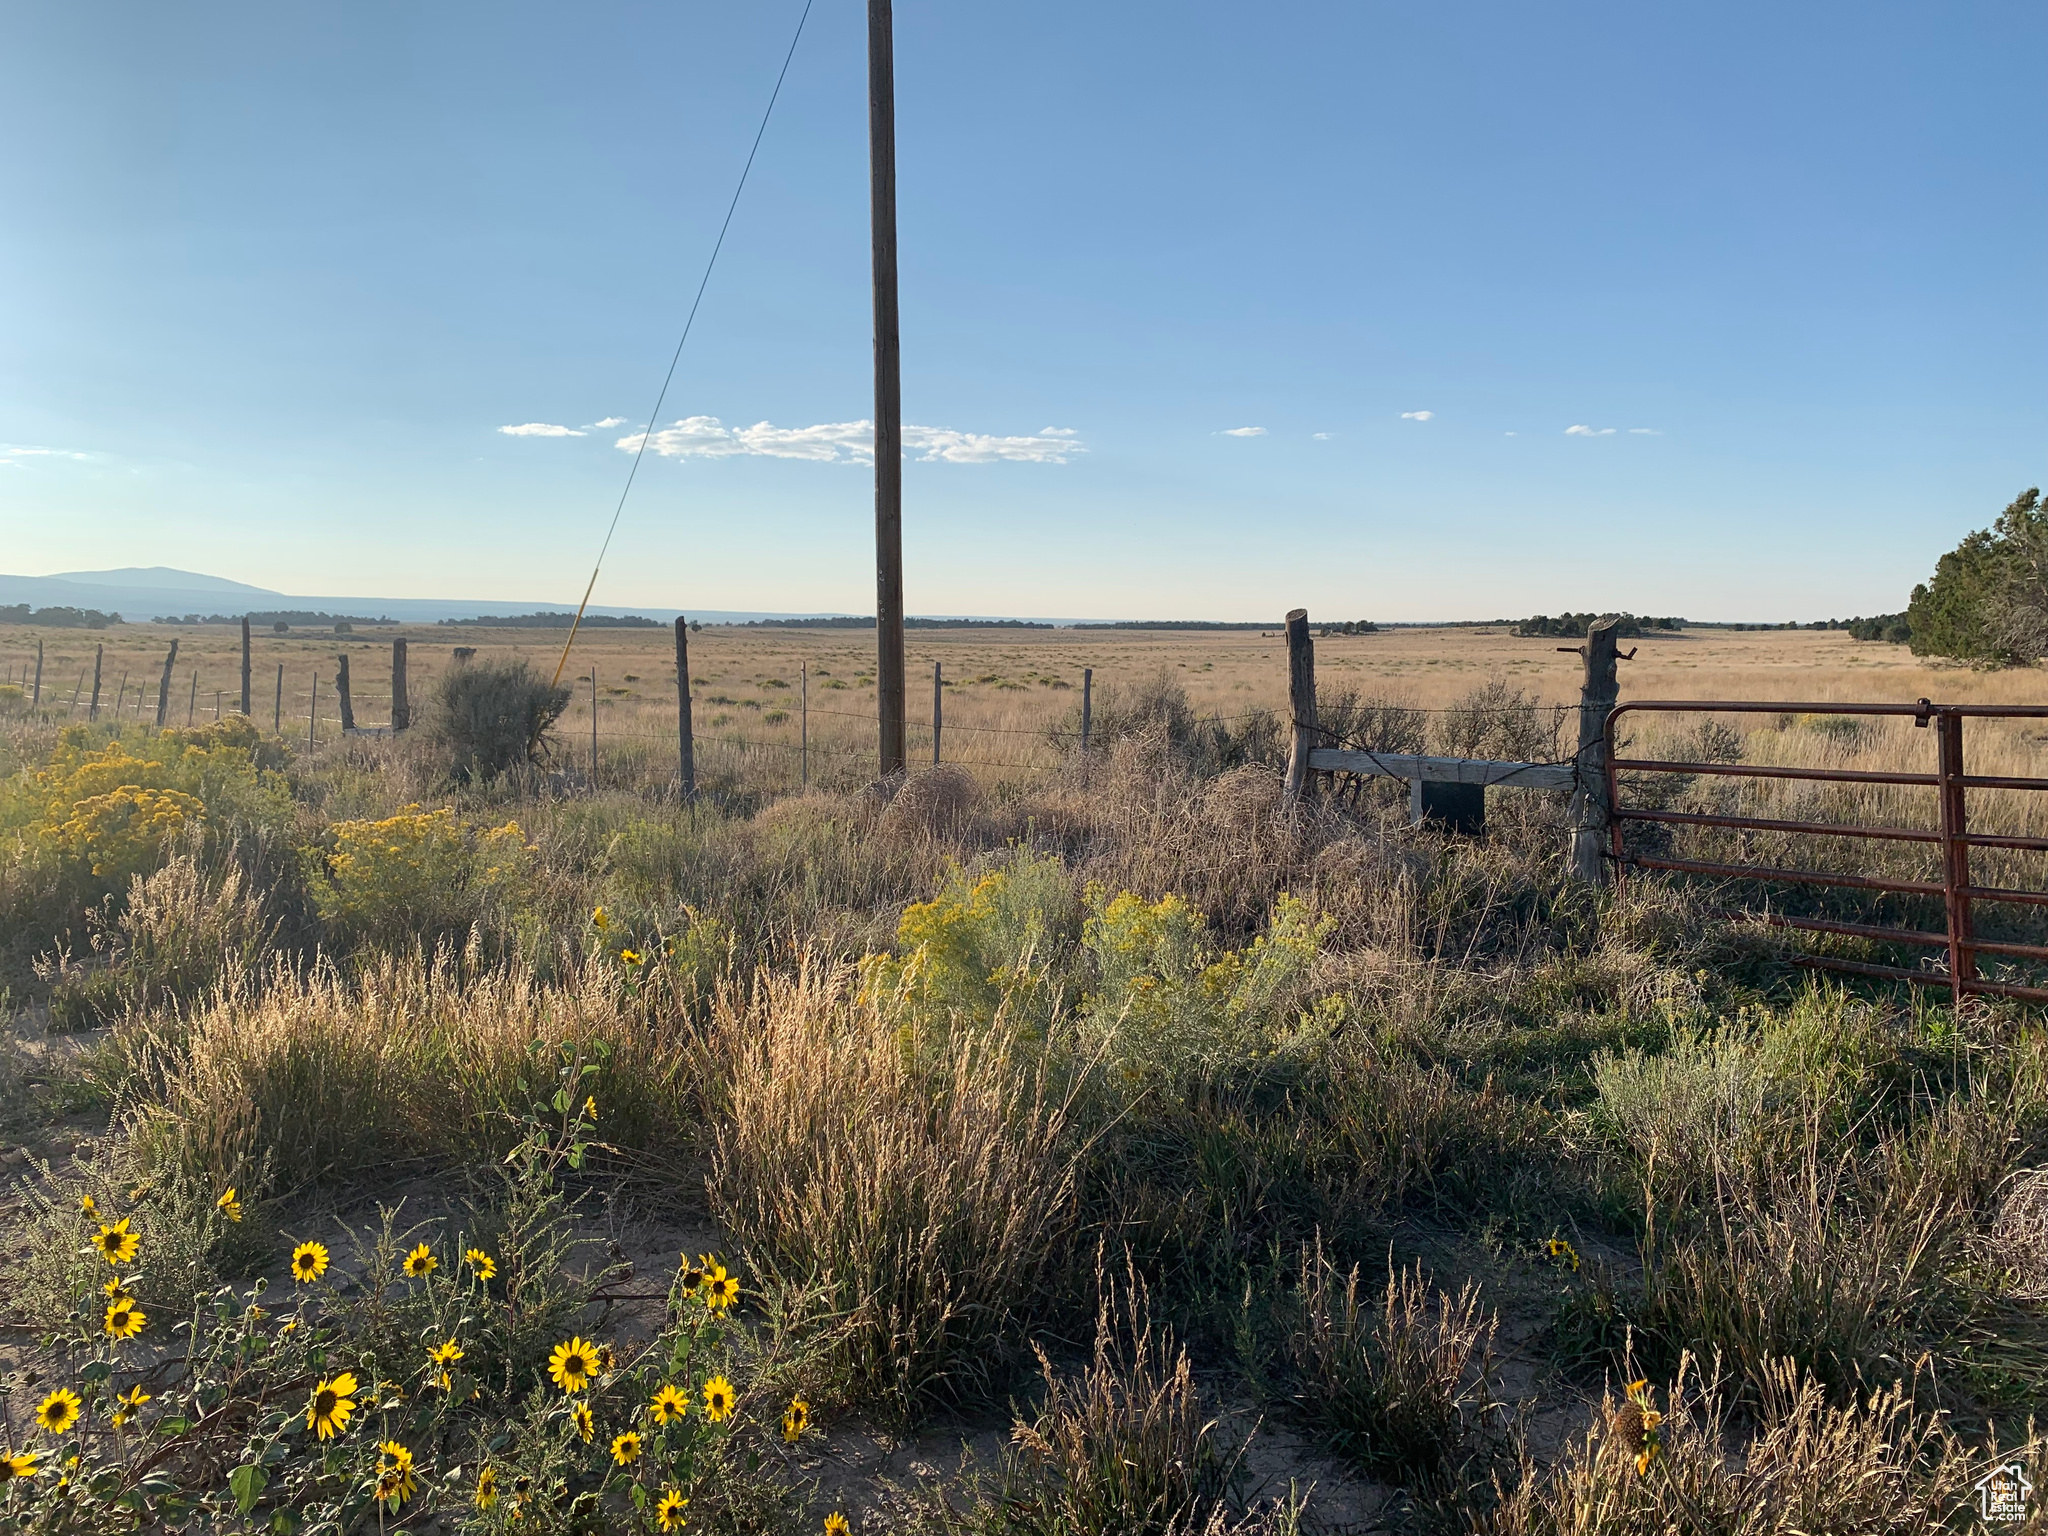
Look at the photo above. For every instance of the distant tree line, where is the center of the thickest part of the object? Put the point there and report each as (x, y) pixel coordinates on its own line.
(57, 618)
(1988, 599)
(277, 618)
(1573, 626)
(547, 619)
(867, 621)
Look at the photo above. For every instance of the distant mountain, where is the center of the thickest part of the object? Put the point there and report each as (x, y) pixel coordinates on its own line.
(163, 578)
(126, 593)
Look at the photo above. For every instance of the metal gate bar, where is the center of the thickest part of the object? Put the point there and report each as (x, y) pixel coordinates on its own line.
(1951, 783)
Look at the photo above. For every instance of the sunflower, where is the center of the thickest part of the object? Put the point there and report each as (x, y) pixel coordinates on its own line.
(421, 1262)
(691, 1276)
(590, 1110)
(443, 1356)
(720, 1289)
(229, 1205)
(796, 1418)
(124, 1319)
(87, 1206)
(626, 1447)
(485, 1266)
(117, 1245)
(116, 1288)
(600, 919)
(586, 1424)
(1563, 1252)
(668, 1404)
(59, 1411)
(128, 1404)
(718, 1399)
(1639, 1427)
(487, 1488)
(668, 1514)
(631, 957)
(309, 1262)
(835, 1524)
(573, 1364)
(394, 1473)
(23, 1464)
(332, 1402)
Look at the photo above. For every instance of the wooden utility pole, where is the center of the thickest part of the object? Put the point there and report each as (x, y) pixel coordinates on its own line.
(1301, 698)
(686, 748)
(401, 706)
(889, 667)
(1590, 808)
(248, 707)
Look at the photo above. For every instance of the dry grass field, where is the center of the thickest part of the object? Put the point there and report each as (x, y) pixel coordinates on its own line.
(1046, 1145)
(1005, 690)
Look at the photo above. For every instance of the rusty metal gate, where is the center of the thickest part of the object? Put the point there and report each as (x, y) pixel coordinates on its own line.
(1952, 836)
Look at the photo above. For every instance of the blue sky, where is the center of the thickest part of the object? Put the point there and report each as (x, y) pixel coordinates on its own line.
(273, 278)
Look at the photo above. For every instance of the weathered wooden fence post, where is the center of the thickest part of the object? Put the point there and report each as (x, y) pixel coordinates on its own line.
(1087, 706)
(248, 702)
(192, 698)
(803, 725)
(1589, 803)
(163, 688)
(401, 706)
(99, 654)
(593, 726)
(686, 747)
(348, 707)
(313, 716)
(277, 705)
(938, 710)
(1301, 698)
(37, 696)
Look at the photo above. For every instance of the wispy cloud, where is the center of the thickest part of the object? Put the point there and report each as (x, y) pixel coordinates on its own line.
(14, 453)
(1417, 415)
(1582, 430)
(1242, 432)
(608, 423)
(1644, 432)
(849, 442)
(1322, 437)
(539, 429)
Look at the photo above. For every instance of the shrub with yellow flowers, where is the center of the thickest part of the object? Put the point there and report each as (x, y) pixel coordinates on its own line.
(112, 809)
(1000, 939)
(458, 1376)
(418, 875)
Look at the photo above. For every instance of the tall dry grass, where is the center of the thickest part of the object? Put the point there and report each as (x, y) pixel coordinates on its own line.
(1879, 1465)
(319, 1074)
(928, 1189)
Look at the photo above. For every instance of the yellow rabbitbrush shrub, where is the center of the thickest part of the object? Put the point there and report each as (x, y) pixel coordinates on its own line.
(418, 876)
(109, 813)
(326, 1074)
(125, 831)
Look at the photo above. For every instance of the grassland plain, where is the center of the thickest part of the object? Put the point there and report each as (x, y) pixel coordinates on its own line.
(1047, 1144)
